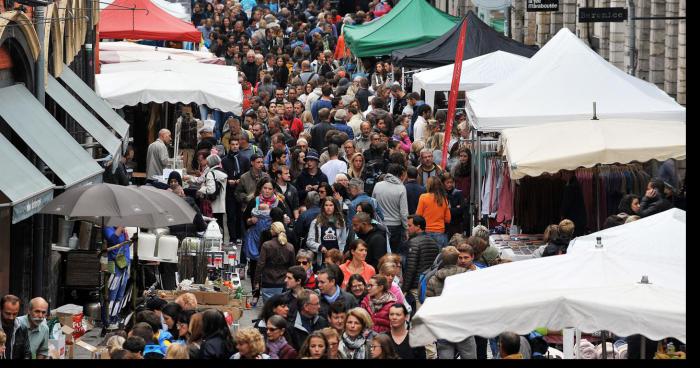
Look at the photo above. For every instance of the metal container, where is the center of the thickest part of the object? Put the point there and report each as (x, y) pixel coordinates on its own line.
(93, 311)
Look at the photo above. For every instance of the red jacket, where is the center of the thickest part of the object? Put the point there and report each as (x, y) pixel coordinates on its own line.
(380, 320)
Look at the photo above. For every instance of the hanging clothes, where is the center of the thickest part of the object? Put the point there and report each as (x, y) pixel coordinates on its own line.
(505, 198)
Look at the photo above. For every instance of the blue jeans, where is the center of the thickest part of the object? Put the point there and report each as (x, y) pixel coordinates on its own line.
(267, 293)
(440, 238)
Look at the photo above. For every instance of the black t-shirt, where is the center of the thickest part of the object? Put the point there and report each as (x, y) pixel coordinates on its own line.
(405, 350)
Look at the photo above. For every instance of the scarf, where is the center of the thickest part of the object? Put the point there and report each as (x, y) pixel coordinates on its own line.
(377, 303)
(273, 201)
(274, 347)
(332, 298)
(355, 348)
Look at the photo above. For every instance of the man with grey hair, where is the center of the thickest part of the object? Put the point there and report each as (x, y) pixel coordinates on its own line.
(307, 319)
(356, 187)
(427, 167)
(303, 223)
(249, 68)
(35, 322)
(157, 155)
(362, 140)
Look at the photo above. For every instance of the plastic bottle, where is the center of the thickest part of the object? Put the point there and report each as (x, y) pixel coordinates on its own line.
(670, 348)
(73, 241)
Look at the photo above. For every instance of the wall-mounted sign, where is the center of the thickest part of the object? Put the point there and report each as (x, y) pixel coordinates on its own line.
(542, 5)
(591, 15)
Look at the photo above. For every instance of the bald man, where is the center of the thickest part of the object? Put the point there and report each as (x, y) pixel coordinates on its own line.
(35, 322)
(157, 155)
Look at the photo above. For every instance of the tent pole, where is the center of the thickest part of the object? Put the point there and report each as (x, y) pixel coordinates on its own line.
(643, 348)
(604, 346)
(568, 342)
(596, 186)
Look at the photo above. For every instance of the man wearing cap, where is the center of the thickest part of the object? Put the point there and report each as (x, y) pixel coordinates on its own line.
(157, 155)
(206, 141)
(340, 123)
(310, 178)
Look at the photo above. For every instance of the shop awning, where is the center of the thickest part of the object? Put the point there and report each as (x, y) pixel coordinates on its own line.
(25, 189)
(46, 137)
(101, 107)
(84, 117)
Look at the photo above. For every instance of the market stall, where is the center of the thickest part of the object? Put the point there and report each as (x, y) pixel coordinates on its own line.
(479, 72)
(129, 52)
(619, 285)
(575, 84)
(142, 19)
(481, 40)
(410, 23)
(127, 84)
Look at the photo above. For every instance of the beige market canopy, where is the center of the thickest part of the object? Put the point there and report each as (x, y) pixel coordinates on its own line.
(548, 148)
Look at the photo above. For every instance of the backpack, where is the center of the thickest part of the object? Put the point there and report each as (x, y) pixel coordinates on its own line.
(425, 277)
(219, 187)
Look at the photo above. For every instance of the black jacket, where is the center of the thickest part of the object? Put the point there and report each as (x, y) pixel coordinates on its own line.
(376, 245)
(291, 198)
(251, 72)
(18, 342)
(413, 192)
(234, 166)
(318, 135)
(362, 96)
(215, 348)
(422, 251)
(651, 206)
(305, 179)
(459, 211)
(206, 143)
(297, 332)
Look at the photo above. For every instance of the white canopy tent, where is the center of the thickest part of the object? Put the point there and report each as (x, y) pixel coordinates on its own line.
(590, 289)
(560, 83)
(127, 84)
(128, 52)
(548, 148)
(478, 72)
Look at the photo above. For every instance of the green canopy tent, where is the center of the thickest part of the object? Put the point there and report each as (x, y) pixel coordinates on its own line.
(410, 23)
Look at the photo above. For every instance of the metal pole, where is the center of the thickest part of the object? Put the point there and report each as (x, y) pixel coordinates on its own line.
(633, 38)
(40, 15)
(604, 346)
(38, 221)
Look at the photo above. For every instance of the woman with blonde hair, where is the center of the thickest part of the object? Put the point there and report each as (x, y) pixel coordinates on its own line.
(263, 115)
(178, 351)
(250, 344)
(333, 340)
(315, 347)
(356, 341)
(434, 206)
(308, 120)
(357, 166)
(276, 256)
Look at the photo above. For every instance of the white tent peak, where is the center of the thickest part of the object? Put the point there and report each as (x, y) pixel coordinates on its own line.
(560, 83)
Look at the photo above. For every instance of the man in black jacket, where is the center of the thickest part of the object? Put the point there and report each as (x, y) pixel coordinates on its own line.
(328, 283)
(318, 132)
(363, 94)
(17, 344)
(234, 166)
(413, 189)
(372, 235)
(249, 68)
(422, 251)
(307, 319)
(310, 178)
(654, 200)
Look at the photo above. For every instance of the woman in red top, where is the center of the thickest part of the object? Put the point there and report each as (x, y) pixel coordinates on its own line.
(357, 251)
(435, 209)
(378, 302)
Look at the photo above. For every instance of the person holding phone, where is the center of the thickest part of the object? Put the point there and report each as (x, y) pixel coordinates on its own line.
(654, 200)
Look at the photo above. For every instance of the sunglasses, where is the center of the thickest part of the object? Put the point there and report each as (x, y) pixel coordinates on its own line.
(302, 263)
(272, 329)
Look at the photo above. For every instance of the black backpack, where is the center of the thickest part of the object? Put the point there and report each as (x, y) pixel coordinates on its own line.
(219, 187)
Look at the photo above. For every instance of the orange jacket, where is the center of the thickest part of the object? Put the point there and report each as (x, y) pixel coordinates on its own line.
(435, 216)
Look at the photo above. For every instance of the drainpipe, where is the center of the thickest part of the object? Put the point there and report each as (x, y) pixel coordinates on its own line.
(632, 68)
(39, 219)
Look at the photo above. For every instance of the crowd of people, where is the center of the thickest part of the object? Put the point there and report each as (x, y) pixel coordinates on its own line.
(332, 181)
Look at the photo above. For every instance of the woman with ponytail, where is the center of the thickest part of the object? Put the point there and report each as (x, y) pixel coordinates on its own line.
(276, 256)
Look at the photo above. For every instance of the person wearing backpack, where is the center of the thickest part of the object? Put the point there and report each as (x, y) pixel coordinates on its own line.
(214, 188)
(422, 252)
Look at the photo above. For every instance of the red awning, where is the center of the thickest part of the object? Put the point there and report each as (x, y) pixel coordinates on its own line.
(116, 21)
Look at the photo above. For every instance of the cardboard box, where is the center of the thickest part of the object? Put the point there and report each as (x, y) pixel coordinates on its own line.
(215, 298)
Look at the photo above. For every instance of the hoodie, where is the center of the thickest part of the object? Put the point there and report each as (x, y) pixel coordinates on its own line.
(391, 195)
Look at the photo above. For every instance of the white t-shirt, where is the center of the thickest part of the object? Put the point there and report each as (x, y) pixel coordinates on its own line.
(333, 168)
(419, 129)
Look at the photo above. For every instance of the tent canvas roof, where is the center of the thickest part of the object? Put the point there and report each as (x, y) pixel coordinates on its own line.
(560, 83)
(548, 148)
(479, 72)
(602, 293)
(410, 23)
(481, 39)
(153, 23)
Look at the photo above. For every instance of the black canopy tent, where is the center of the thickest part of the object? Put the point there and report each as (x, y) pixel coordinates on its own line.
(481, 40)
